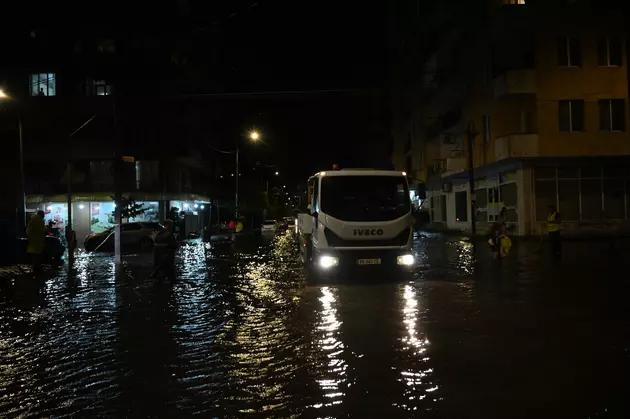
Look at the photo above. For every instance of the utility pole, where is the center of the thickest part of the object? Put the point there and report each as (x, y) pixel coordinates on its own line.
(70, 171)
(236, 191)
(117, 191)
(69, 220)
(471, 134)
(22, 217)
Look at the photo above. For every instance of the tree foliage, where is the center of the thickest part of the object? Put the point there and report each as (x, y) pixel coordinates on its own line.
(130, 208)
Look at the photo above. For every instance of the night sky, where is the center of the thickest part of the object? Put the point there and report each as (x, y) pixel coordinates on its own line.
(248, 46)
(303, 46)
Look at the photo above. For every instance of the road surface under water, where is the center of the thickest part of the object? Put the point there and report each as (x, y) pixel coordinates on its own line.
(241, 334)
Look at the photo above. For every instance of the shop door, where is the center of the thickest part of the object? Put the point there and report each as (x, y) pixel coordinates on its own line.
(81, 221)
(443, 208)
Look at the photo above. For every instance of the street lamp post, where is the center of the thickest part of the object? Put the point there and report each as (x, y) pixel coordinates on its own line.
(253, 136)
(20, 219)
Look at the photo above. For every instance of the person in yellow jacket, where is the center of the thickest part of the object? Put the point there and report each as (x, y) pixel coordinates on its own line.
(239, 226)
(553, 230)
(499, 241)
(36, 234)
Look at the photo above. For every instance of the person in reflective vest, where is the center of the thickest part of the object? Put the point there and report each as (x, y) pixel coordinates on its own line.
(553, 229)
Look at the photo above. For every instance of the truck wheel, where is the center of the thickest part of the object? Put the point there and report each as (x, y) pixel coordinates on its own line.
(312, 275)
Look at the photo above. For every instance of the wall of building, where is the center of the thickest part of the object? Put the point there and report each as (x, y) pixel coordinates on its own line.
(590, 83)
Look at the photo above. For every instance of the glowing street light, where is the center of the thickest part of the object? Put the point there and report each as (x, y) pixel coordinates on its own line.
(3, 95)
(277, 173)
(254, 135)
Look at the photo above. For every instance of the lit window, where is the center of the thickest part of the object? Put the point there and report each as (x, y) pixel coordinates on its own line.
(43, 84)
(98, 88)
(101, 88)
(513, 1)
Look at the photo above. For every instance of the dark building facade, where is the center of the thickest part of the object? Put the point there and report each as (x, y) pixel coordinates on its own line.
(86, 97)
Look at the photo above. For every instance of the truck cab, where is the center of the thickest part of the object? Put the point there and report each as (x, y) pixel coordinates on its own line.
(356, 218)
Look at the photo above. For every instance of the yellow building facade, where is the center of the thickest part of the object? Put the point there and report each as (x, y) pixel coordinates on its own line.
(541, 104)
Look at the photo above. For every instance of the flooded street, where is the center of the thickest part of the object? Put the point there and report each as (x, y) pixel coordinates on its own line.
(241, 334)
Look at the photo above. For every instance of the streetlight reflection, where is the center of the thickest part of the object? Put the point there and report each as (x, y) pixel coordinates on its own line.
(334, 367)
(417, 379)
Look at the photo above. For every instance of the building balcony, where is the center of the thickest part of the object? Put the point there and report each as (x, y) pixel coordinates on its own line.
(516, 146)
(454, 165)
(515, 82)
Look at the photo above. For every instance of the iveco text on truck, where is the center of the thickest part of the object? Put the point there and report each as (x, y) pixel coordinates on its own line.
(356, 218)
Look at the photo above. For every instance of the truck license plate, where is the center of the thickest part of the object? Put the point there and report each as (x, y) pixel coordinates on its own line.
(368, 261)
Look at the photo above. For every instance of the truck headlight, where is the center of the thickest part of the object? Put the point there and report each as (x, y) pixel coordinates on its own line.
(327, 262)
(406, 260)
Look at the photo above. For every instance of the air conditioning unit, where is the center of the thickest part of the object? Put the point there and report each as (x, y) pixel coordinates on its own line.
(447, 187)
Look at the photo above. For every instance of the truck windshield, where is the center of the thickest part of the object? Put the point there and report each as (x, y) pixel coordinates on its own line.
(365, 198)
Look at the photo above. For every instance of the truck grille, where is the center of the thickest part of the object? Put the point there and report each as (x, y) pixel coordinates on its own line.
(335, 241)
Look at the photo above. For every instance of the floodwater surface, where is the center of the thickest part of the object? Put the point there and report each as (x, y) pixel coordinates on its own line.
(242, 334)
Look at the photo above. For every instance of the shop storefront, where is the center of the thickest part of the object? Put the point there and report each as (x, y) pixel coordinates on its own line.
(95, 213)
(90, 217)
(191, 216)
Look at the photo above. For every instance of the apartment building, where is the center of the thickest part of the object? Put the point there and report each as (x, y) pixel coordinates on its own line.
(82, 98)
(538, 102)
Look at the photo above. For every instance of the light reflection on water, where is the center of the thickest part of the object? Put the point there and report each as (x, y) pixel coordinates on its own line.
(331, 377)
(417, 380)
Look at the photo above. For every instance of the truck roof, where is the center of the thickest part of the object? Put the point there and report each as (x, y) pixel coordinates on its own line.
(360, 172)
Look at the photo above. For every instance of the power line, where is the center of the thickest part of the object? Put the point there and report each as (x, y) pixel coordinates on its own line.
(220, 151)
(273, 93)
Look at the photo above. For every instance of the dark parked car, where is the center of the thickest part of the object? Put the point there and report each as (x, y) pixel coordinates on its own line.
(137, 234)
(53, 250)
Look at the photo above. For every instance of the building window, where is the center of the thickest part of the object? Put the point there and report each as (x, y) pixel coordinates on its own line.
(106, 46)
(612, 115)
(609, 52)
(487, 129)
(569, 52)
(513, 1)
(98, 88)
(527, 122)
(43, 84)
(461, 207)
(571, 115)
(101, 88)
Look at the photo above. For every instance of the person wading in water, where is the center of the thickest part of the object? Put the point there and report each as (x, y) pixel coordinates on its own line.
(164, 253)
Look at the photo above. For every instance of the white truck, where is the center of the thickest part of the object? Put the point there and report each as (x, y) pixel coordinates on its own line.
(356, 218)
